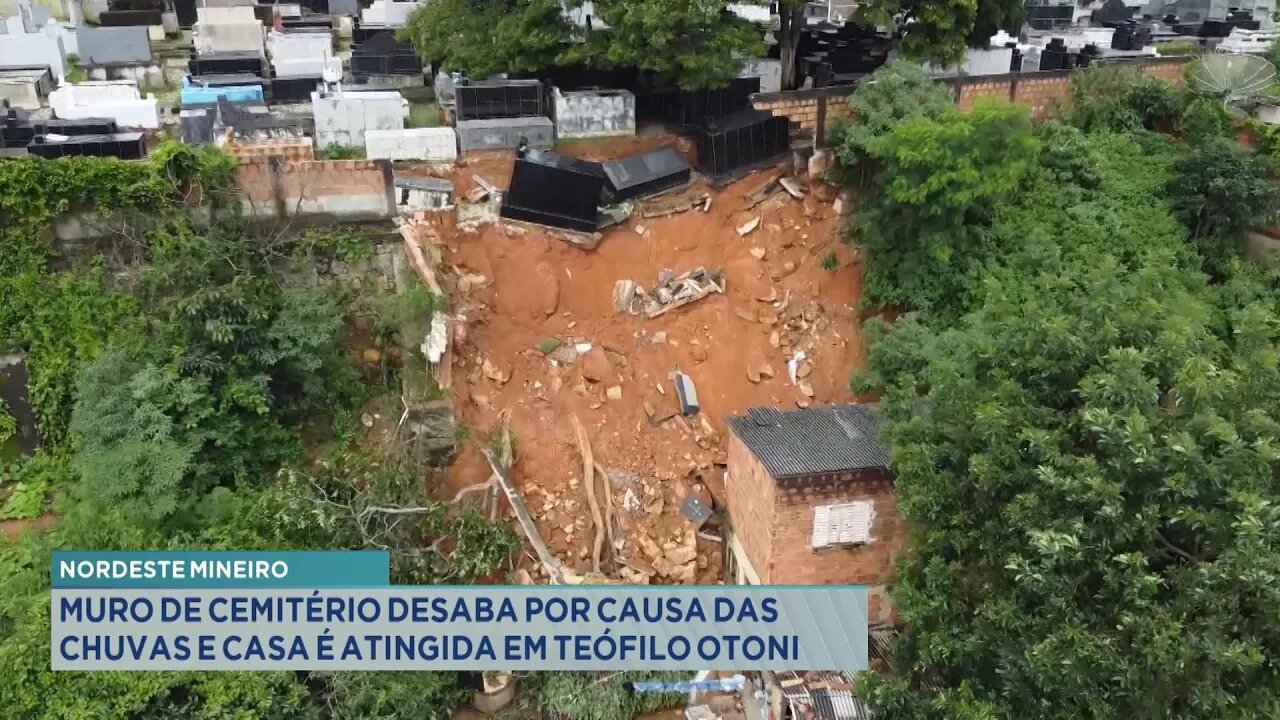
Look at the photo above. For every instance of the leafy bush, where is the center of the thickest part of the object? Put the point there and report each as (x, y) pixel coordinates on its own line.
(593, 696)
(1114, 99)
(939, 183)
(342, 152)
(897, 92)
(1220, 189)
(1203, 119)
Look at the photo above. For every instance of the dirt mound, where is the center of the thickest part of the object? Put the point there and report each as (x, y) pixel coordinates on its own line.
(547, 325)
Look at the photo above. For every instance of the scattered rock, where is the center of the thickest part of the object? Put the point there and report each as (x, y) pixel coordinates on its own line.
(803, 370)
(748, 226)
(803, 402)
(818, 164)
(792, 188)
(775, 340)
(698, 353)
(744, 314)
(595, 366)
(649, 547)
(639, 229)
(682, 554)
(805, 388)
(494, 373)
(765, 371)
(655, 506)
(366, 420)
(614, 393)
(753, 374)
(757, 253)
(686, 574)
(659, 338)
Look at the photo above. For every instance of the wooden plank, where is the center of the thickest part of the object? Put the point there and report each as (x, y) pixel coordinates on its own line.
(549, 563)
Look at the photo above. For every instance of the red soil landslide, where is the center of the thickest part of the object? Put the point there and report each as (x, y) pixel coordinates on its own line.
(519, 292)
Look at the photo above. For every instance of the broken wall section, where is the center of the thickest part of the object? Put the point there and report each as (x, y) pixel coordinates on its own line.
(273, 187)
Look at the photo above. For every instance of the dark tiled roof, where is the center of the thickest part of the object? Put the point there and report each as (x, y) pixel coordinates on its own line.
(816, 440)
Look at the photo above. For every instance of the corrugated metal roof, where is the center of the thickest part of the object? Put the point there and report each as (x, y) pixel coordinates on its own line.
(815, 440)
(832, 704)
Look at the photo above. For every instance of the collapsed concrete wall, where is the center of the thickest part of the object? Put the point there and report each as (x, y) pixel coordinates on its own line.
(594, 113)
(434, 144)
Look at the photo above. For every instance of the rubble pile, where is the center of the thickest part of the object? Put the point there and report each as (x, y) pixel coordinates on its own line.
(542, 332)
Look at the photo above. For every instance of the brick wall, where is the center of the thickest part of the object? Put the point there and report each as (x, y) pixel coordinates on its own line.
(273, 186)
(774, 527)
(288, 148)
(1044, 93)
(794, 562)
(749, 493)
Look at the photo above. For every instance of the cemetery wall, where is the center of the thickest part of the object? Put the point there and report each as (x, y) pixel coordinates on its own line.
(275, 187)
(815, 111)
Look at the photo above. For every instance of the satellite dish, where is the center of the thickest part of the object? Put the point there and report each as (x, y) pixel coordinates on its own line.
(1232, 78)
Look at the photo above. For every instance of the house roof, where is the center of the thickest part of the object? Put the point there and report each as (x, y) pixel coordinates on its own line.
(815, 440)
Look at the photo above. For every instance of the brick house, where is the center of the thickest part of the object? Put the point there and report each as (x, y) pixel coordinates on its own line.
(810, 500)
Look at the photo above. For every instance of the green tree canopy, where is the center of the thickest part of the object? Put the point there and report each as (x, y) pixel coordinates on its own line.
(1090, 470)
(938, 183)
(693, 43)
(486, 37)
(940, 31)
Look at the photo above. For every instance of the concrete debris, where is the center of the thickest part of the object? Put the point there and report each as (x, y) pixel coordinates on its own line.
(630, 502)
(494, 373)
(595, 366)
(792, 188)
(624, 296)
(748, 226)
(488, 187)
(805, 388)
(757, 253)
(684, 202)
(686, 393)
(614, 392)
(676, 292)
(470, 281)
(766, 371)
(764, 189)
(793, 365)
(672, 292)
(437, 340)
(614, 215)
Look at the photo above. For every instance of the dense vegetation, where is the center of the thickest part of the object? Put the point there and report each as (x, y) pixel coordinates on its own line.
(173, 386)
(691, 44)
(1082, 407)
